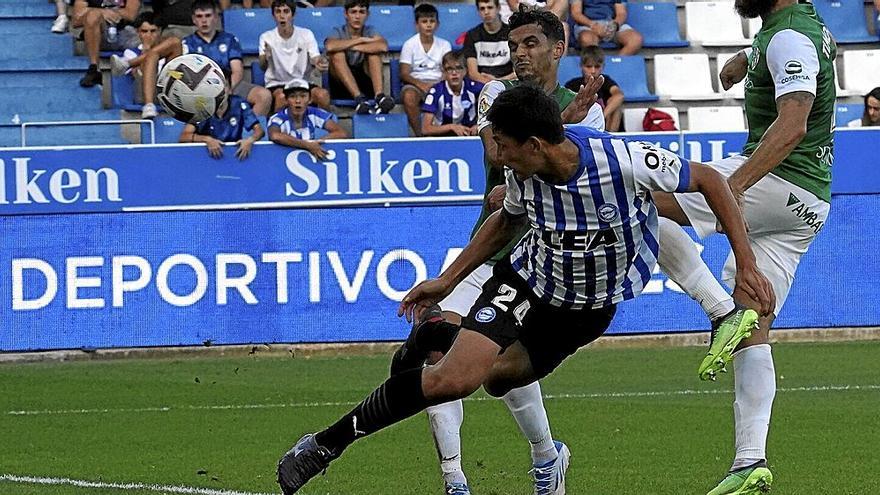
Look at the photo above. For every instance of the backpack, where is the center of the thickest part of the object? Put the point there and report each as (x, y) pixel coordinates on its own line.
(658, 120)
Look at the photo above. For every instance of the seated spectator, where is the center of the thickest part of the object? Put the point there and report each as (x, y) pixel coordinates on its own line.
(297, 124)
(149, 34)
(227, 126)
(286, 52)
(421, 63)
(60, 24)
(610, 95)
(450, 108)
(174, 17)
(219, 46)
(104, 24)
(871, 115)
(485, 46)
(355, 50)
(604, 20)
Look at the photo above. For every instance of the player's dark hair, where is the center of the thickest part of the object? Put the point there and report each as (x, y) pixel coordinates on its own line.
(277, 4)
(452, 56)
(426, 10)
(592, 54)
(751, 9)
(144, 17)
(550, 25)
(204, 5)
(349, 4)
(874, 93)
(526, 111)
(496, 2)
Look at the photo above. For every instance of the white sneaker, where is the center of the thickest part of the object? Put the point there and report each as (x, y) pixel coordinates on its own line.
(149, 111)
(60, 24)
(118, 65)
(549, 478)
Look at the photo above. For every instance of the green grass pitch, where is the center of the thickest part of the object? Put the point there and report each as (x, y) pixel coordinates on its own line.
(638, 421)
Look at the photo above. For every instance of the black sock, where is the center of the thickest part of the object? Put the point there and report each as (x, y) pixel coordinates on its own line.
(395, 400)
(437, 335)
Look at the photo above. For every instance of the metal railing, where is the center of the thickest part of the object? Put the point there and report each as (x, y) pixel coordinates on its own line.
(25, 125)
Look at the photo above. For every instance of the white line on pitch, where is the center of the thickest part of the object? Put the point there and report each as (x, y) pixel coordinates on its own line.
(602, 395)
(187, 490)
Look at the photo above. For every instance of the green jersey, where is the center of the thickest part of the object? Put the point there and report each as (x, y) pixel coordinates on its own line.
(794, 51)
(495, 177)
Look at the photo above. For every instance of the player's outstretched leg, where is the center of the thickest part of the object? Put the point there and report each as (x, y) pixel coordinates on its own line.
(750, 480)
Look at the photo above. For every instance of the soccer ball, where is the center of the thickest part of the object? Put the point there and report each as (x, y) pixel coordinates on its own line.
(192, 88)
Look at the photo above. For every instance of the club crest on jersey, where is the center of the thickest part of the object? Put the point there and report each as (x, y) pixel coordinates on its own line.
(485, 315)
(233, 121)
(223, 48)
(608, 212)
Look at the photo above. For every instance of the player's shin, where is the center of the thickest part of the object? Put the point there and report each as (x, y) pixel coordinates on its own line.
(445, 420)
(398, 398)
(681, 262)
(755, 388)
(527, 407)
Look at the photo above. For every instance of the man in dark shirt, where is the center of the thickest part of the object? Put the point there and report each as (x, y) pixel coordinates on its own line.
(610, 95)
(485, 46)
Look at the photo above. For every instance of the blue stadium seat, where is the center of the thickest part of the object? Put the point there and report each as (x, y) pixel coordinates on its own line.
(380, 126)
(845, 19)
(394, 22)
(846, 113)
(325, 83)
(629, 72)
(167, 130)
(122, 93)
(258, 75)
(321, 21)
(569, 68)
(247, 25)
(395, 82)
(658, 23)
(456, 19)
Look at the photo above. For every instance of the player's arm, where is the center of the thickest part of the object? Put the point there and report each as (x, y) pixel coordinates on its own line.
(794, 65)
(735, 68)
(484, 128)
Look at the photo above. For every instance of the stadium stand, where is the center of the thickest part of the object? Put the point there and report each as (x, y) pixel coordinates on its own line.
(845, 113)
(394, 22)
(658, 23)
(631, 75)
(683, 77)
(633, 117)
(321, 21)
(395, 83)
(716, 119)
(861, 70)
(455, 20)
(167, 130)
(714, 24)
(122, 93)
(738, 90)
(258, 75)
(845, 19)
(380, 126)
(248, 25)
(569, 68)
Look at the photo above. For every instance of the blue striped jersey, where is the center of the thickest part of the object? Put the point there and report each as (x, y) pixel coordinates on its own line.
(593, 240)
(447, 108)
(313, 120)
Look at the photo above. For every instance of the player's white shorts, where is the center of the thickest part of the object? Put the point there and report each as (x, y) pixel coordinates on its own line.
(783, 220)
(464, 295)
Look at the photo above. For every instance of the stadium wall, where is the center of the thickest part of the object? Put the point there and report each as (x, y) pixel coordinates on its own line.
(157, 246)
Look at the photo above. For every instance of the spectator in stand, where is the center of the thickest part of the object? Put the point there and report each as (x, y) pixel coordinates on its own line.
(149, 33)
(450, 108)
(421, 61)
(285, 55)
(227, 126)
(871, 115)
(61, 22)
(610, 95)
(355, 50)
(174, 17)
(221, 47)
(485, 46)
(604, 21)
(297, 125)
(104, 24)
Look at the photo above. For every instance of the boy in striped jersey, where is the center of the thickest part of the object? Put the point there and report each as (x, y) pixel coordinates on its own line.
(592, 243)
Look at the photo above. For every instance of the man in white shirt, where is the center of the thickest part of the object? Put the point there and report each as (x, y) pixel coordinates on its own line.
(285, 55)
(421, 63)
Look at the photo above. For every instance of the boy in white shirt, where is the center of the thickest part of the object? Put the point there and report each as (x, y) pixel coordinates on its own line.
(421, 63)
(285, 55)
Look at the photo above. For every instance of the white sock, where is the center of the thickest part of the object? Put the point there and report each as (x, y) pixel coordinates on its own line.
(755, 388)
(527, 407)
(680, 261)
(445, 420)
